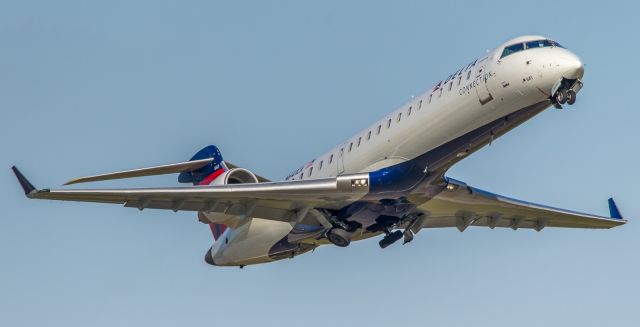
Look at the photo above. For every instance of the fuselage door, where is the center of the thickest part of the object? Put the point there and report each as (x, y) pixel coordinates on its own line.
(482, 77)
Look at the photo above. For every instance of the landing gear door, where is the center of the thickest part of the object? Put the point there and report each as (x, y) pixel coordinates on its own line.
(481, 77)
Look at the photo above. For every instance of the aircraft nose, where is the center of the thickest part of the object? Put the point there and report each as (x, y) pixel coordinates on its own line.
(572, 67)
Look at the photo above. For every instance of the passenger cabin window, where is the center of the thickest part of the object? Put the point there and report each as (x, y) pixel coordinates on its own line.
(399, 116)
(440, 94)
(468, 75)
(450, 85)
(331, 158)
(429, 100)
(420, 105)
(320, 167)
(379, 128)
(459, 80)
(350, 146)
(369, 136)
(359, 140)
(512, 49)
(409, 112)
(389, 123)
(301, 175)
(310, 171)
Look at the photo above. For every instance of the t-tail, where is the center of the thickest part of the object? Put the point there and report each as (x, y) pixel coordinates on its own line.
(206, 175)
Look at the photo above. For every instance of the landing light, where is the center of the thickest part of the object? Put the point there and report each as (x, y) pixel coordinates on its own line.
(359, 182)
(452, 187)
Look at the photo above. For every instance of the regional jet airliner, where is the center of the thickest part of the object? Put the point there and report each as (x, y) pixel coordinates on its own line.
(388, 180)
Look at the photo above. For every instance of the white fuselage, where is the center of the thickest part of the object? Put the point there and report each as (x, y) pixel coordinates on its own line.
(475, 95)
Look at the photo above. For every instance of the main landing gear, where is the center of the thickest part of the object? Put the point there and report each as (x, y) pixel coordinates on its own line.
(339, 237)
(390, 238)
(411, 222)
(341, 232)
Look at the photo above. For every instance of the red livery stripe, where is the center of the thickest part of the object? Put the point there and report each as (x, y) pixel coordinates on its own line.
(207, 180)
(217, 230)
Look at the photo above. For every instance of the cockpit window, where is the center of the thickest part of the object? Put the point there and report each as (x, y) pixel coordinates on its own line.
(529, 45)
(538, 44)
(542, 44)
(512, 49)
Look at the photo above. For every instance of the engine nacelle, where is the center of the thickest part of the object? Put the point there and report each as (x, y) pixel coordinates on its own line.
(232, 176)
(235, 176)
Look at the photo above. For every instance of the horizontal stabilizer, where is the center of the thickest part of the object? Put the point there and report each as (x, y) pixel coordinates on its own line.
(150, 171)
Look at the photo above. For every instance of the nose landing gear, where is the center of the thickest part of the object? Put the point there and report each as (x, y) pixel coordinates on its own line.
(571, 97)
(561, 97)
(566, 90)
(564, 96)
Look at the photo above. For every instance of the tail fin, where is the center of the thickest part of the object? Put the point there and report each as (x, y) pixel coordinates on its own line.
(206, 175)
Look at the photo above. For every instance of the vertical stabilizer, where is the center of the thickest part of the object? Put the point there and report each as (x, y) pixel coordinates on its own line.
(206, 175)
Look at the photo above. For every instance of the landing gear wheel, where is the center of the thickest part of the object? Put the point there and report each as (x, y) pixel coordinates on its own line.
(561, 96)
(571, 97)
(390, 239)
(339, 237)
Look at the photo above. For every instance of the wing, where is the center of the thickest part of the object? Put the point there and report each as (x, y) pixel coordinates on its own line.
(460, 205)
(273, 200)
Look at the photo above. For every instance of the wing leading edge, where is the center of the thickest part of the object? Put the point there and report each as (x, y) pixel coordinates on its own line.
(461, 206)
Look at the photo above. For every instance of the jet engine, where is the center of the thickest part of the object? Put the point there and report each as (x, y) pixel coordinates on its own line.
(235, 176)
(232, 176)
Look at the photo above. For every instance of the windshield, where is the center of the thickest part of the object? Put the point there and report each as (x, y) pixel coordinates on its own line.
(528, 45)
(512, 49)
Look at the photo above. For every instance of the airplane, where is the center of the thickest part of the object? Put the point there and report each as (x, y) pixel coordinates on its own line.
(387, 180)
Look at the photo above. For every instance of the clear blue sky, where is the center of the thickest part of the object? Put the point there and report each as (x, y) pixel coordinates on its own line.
(96, 87)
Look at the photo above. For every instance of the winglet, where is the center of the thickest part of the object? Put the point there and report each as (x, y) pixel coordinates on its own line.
(24, 182)
(613, 209)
